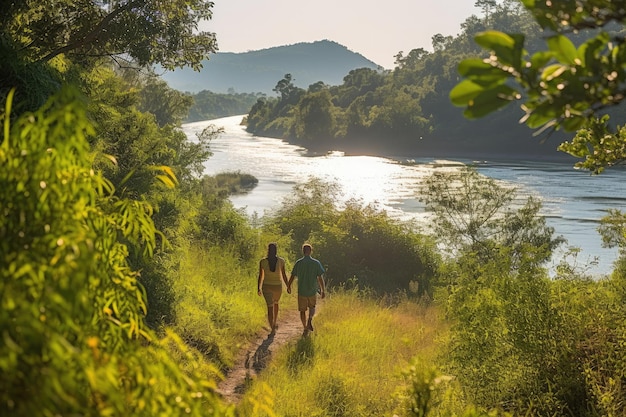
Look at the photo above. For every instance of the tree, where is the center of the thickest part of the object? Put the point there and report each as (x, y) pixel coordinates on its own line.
(304, 212)
(285, 88)
(317, 87)
(314, 117)
(486, 6)
(439, 42)
(563, 86)
(476, 215)
(169, 106)
(414, 56)
(147, 31)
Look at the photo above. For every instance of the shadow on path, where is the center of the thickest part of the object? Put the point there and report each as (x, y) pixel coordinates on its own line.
(261, 355)
(256, 357)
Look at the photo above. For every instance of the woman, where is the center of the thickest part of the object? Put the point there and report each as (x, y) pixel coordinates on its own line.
(271, 270)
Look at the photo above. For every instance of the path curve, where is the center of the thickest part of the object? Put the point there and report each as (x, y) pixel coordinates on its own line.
(253, 359)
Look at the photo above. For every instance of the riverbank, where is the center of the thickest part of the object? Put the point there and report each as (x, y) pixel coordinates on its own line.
(574, 201)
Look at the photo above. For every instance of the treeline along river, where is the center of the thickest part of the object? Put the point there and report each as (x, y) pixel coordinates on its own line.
(573, 201)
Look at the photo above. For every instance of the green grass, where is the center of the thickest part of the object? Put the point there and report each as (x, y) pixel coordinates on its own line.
(217, 309)
(235, 182)
(352, 365)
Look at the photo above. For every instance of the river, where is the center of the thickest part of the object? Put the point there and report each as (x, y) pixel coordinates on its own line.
(573, 201)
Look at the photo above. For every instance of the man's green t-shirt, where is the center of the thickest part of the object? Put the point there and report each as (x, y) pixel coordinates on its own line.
(307, 269)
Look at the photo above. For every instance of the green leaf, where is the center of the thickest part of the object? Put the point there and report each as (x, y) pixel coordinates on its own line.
(553, 71)
(590, 51)
(167, 177)
(481, 72)
(494, 39)
(489, 101)
(572, 124)
(7, 118)
(540, 116)
(564, 50)
(508, 48)
(540, 59)
(166, 180)
(464, 92)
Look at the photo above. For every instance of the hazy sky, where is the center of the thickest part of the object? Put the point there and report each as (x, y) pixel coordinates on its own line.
(378, 30)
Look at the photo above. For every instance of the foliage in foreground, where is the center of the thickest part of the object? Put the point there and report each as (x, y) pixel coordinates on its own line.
(146, 32)
(562, 85)
(532, 345)
(574, 355)
(74, 340)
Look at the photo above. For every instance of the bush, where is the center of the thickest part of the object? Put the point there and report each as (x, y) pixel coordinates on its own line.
(74, 340)
(366, 247)
(358, 244)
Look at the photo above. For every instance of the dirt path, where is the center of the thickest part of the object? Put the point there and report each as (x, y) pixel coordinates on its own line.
(253, 359)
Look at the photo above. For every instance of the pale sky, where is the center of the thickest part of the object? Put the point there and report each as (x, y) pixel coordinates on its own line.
(378, 30)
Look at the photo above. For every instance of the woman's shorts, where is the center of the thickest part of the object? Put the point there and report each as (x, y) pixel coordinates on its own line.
(272, 293)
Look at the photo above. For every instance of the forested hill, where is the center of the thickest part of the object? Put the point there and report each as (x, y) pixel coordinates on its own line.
(258, 71)
(407, 111)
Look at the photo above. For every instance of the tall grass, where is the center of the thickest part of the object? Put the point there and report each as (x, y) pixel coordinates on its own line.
(352, 364)
(217, 309)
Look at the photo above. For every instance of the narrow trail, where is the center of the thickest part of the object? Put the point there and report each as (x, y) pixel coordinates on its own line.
(253, 359)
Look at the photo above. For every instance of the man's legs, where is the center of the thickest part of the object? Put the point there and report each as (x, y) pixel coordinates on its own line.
(304, 304)
(309, 325)
(303, 318)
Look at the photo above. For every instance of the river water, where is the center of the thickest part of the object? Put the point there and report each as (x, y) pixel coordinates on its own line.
(573, 201)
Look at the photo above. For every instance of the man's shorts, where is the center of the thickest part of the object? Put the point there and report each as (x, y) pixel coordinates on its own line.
(306, 302)
(272, 293)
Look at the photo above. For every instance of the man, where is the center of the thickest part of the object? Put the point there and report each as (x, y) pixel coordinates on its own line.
(310, 274)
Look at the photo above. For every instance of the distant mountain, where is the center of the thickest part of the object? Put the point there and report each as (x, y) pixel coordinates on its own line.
(259, 71)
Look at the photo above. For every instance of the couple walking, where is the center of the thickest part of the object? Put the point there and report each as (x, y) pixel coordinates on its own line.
(310, 274)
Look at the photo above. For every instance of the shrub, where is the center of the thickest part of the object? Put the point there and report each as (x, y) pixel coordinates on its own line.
(365, 247)
(358, 244)
(74, 340)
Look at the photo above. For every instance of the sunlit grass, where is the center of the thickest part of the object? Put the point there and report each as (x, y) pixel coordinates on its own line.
(352, 363)
(217, 309)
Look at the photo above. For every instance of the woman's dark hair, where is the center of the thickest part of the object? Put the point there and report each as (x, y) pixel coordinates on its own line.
(271, 256)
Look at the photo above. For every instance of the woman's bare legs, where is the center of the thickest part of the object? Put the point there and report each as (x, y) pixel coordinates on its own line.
(275, 325)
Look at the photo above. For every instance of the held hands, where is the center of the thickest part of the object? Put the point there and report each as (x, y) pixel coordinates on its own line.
(288, 289)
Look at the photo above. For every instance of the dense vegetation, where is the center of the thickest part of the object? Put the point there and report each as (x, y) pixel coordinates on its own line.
(208, 105)
(127, 277)
(98, 195)
(407, 110)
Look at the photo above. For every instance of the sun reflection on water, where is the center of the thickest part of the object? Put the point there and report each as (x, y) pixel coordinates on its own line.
(572, 201)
